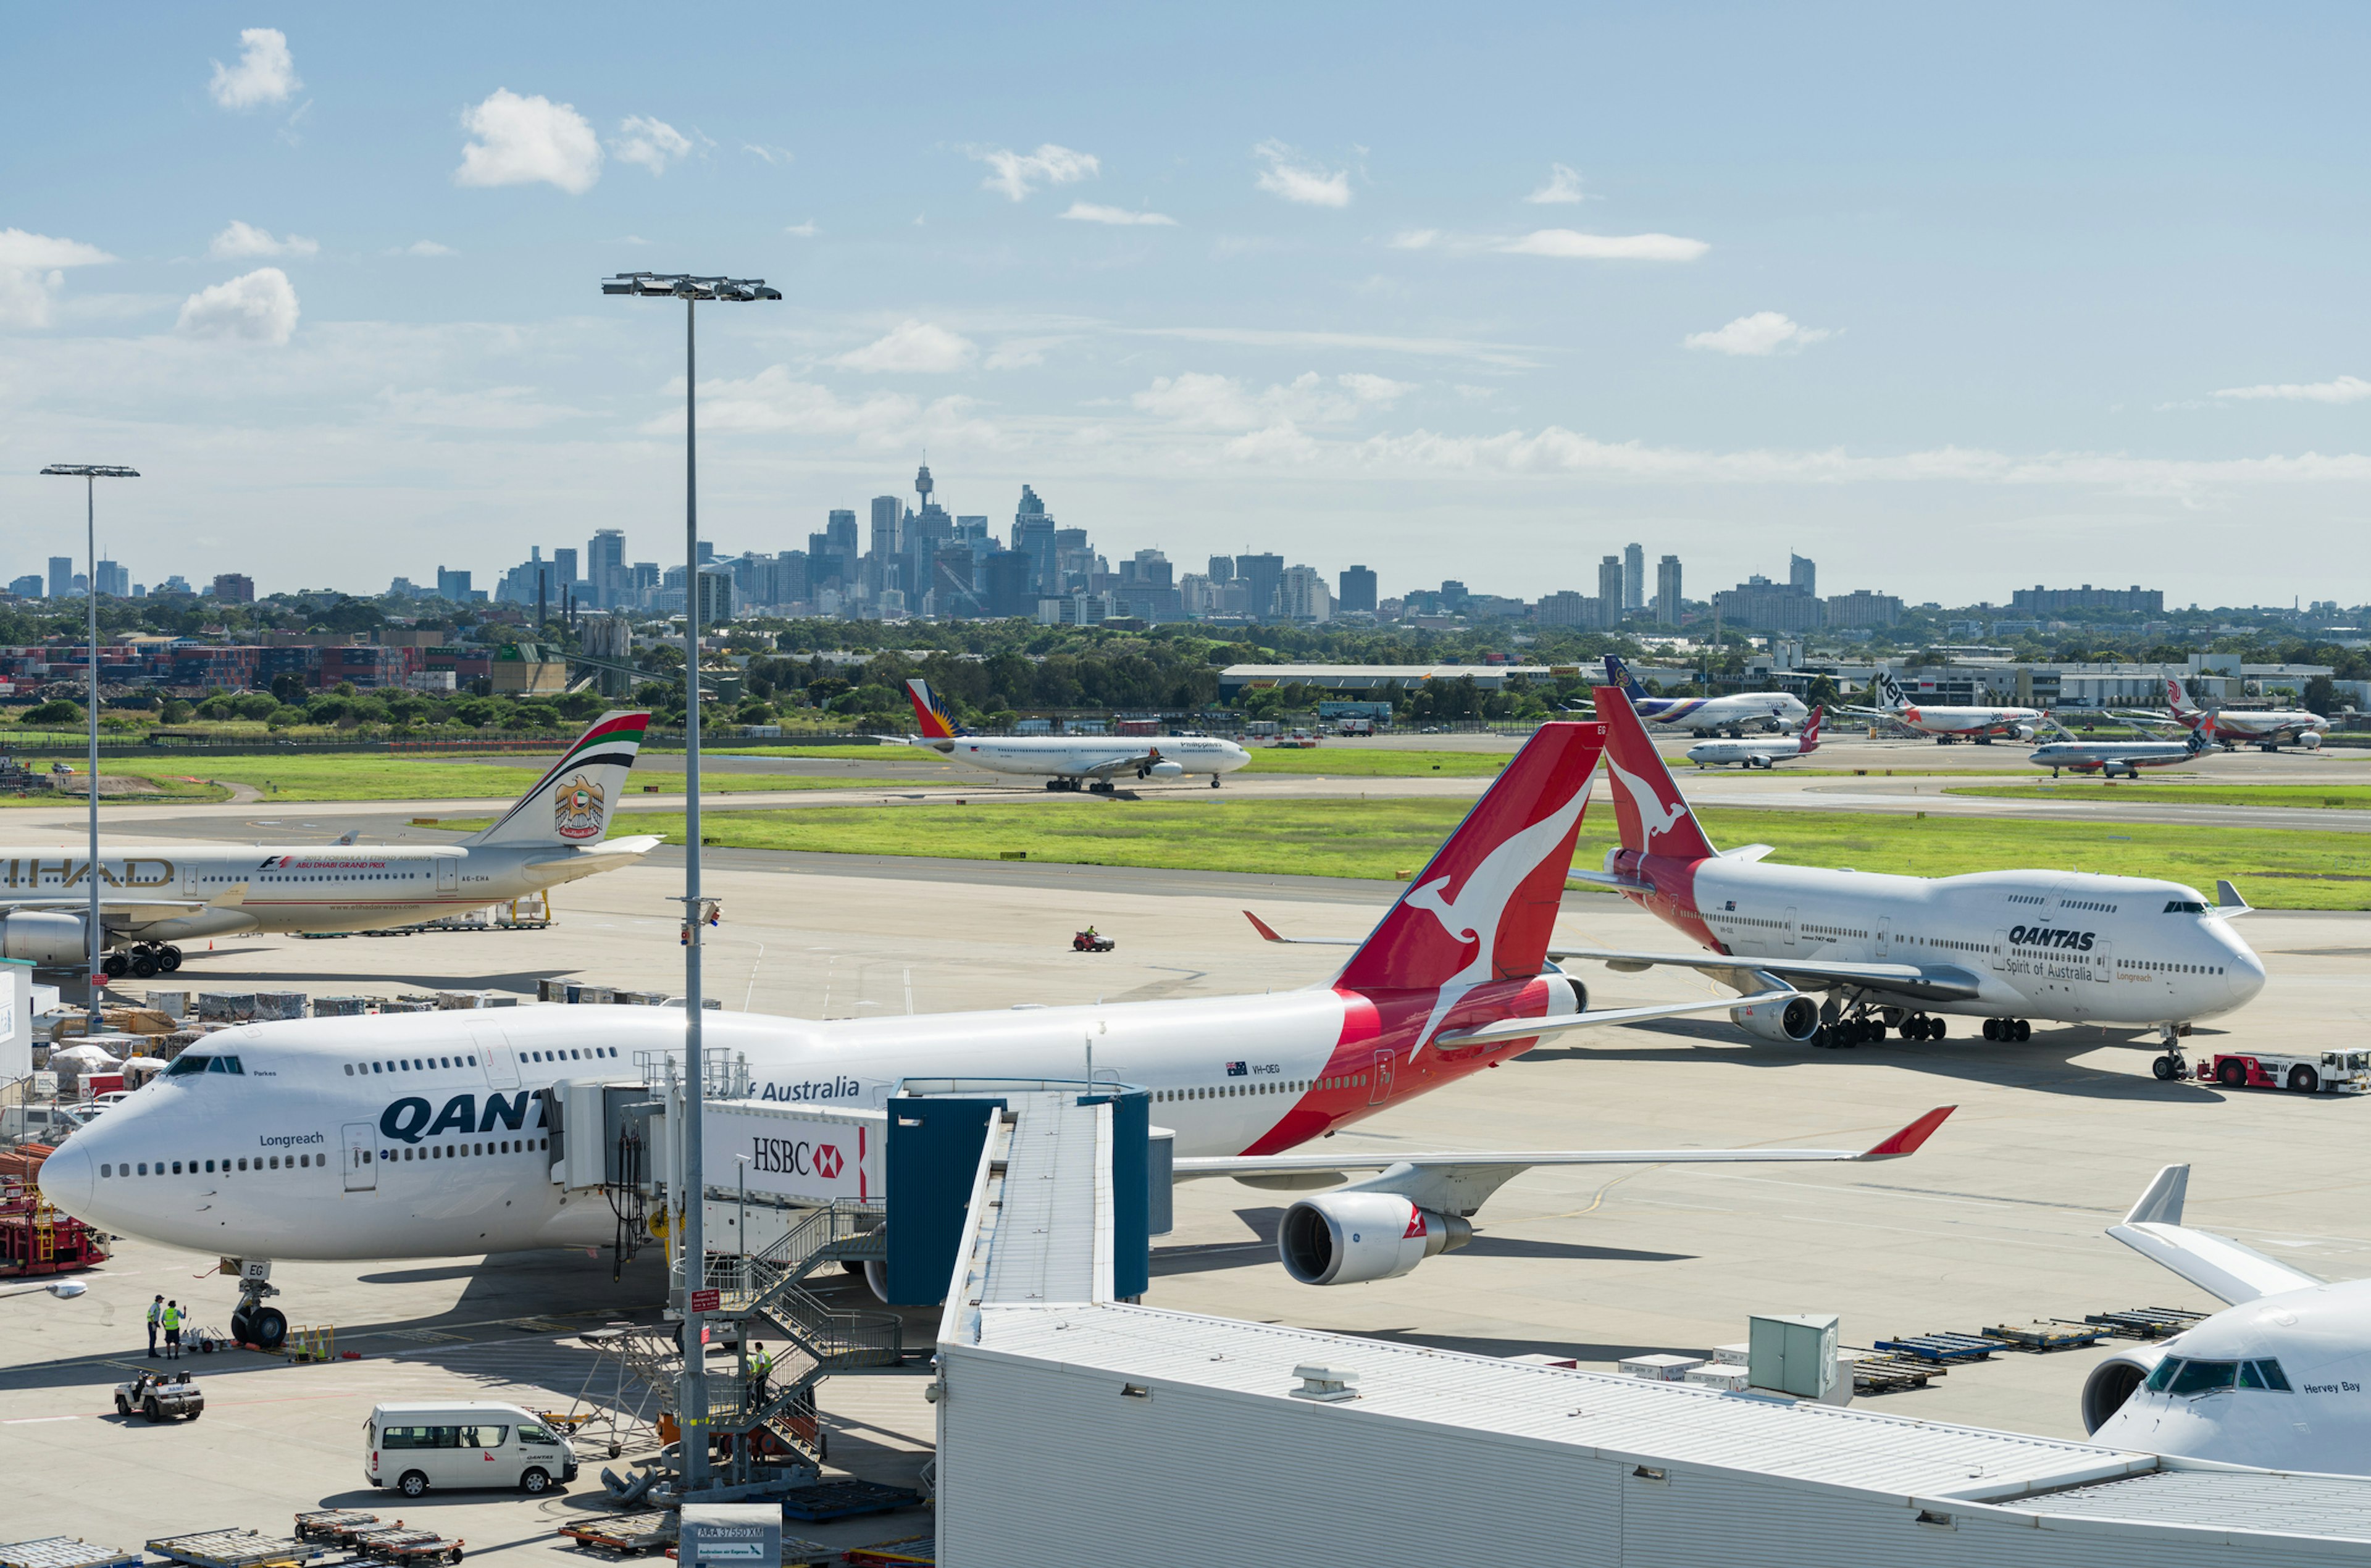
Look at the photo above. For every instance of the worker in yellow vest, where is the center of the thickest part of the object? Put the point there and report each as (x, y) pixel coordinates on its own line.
(172, 1330)
(761, 1369)
(155, 1321)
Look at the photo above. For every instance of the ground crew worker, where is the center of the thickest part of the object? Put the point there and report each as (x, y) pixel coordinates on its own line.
(172, 1330)
(155, 1320)
(761, 1369)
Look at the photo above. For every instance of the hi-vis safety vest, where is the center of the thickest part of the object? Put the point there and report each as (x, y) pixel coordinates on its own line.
(172, 1316)
(156, 1312)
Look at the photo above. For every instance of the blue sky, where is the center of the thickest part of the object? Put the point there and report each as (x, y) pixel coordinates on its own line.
(1953, 302)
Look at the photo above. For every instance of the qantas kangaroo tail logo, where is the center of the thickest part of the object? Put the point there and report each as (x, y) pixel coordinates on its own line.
(930, 712)
(1810, 742)
(1652, 813)
(1485, 906)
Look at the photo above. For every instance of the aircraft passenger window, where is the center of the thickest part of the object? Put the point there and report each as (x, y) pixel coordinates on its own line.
(177, 1168)
(242, 1165)
(210, 1167)
(107, 1170)
(2203, 1376)
(350, 1069)
(543, 1143)
(473, 1061)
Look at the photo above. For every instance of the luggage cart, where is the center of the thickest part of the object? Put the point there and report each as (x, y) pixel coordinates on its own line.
(235, 1548)
(1944, 1347)
(64, 1551)
(2056, 1334)
(1875, 1373)
(337, 1527)
(398, 1545)
(2146, 1323)
(624, 1534)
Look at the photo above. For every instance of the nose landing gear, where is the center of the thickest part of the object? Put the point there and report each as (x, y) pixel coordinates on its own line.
(252, 1323)
(2174, 1064)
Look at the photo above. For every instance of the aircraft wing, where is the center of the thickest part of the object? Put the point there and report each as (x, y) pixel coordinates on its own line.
(1269, 933)
(1524, 1028)
(1110, 766)
(1927, 981)
(2216, 1264)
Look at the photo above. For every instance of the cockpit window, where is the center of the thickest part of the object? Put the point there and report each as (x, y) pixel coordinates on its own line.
(2263, 1375)
(2185, 906)
(2175, 1376)
(186, 1064)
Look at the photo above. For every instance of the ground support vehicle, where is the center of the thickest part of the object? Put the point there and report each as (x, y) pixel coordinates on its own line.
(1088, 941)
(160, 1396)
(2323, 1072)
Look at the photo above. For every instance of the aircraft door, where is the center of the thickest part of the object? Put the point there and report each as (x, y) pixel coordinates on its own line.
(2000, 951)
(1880, 951)
(1378, 1087)
(494, 1051)
(448, 874)
(2103, 965)
(362, 1158)
(189, 879)
(1790, 926)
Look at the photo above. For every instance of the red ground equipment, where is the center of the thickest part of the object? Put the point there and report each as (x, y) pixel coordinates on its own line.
(2322, 1072)
(35, 1239)
(1088, 941)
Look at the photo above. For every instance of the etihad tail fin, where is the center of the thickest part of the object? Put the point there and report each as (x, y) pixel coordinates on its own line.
(570, 804)
(1485, 907)
(930, 712)
(1810, 741)
(1648, 805)
(1617, 674)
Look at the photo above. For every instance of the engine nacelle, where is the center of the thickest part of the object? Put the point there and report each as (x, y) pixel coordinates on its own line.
(2025, 732)
(2310, 739)
(41, 938)
(1351, 1237)
(2113, 1382)
(1165, 769)
(1791, 1022)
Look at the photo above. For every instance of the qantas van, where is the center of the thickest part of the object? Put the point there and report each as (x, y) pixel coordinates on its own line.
(469, 1443)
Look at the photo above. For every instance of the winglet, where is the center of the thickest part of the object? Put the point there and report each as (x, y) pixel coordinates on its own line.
(2161, 1205)
(1267, 932)
(1910, 1139)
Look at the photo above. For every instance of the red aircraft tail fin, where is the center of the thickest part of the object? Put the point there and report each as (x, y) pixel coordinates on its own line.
(1653, 814)
(1812, 729)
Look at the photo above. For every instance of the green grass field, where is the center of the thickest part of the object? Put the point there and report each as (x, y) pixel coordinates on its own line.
(1388, 838)
(1349, 762)
(2330, 796)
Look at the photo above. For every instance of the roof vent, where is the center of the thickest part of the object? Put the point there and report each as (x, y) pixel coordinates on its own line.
(1324, 1384)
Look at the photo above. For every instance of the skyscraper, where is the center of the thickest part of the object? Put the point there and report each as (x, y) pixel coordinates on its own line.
(1667, 591)
(62, 576)
(1222, 569)
(1609, 590)
(1634, 577)
(563, 572)
(1802, 573)
(114, 582)
(453, 586)
(880, 565)
(1260, 574)
(1358, 589)
(604, 567)
(1033, 535)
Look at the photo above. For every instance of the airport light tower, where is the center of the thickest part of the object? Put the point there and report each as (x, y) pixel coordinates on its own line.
(692, 1402)
(90, 474)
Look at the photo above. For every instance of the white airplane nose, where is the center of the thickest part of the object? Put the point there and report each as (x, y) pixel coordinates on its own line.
(2245, 973)
(67, 1175)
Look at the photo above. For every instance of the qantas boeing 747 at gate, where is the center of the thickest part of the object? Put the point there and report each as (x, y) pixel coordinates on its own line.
(420, 1135)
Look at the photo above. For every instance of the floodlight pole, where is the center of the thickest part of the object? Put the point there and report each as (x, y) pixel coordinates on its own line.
(692, 1402)
(95, 937)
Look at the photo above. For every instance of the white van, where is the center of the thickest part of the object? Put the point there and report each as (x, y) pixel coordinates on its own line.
(468, 1443)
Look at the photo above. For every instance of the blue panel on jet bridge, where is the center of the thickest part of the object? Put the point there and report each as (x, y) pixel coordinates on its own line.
(932, 1155)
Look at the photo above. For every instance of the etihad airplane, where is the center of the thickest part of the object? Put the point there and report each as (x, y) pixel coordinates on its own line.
(158, 897)
(1735, 714)
(1897, 952)
(1949, 725)
(1758, 754)
(422, 1134)
(2108, 758)
(2275, 1381)
(2263, 728)
(1068, 762)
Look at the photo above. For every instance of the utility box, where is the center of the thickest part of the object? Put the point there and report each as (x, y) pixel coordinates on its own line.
(1793, 1354)
(15, 1019)
(731, 1535)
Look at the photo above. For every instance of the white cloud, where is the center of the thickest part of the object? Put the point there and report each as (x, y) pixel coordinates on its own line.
(776, 155)
(1414, 239)
(258, 307)
(242, 240)
(266, 73)
(1198, 401)
(1090, 213)
(654, 144)
(1564, 185)
(1513, 356)
(1297, 178)
(2344, 389)
(1015, 352)
(1017, 174)
(429, 248)
(1763, 332)
(911, 348)
(805, 231)
(32, 270)
(521, 141)
(1378, 390)
(1572, 244)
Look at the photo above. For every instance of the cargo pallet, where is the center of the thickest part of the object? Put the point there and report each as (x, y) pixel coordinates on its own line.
(2057, 1334)
(400, 1545)
(1891, 1374)
(64, 1551)
(336, 1525)
(2146, 1323)
(625, 1535)
(234, 1549)
(845, 1499)
(1944, 1347)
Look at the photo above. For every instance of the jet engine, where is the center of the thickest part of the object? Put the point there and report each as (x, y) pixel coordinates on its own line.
(1351, 1237)
(1165, 769)
(1791, 1022)
(2113, 1382)
(38, 936)
(2025, 732)
(2310, 739)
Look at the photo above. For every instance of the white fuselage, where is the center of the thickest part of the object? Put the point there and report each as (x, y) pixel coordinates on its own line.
(1969, 722)
(1087, 756)
(1747, 754)
(1742, 710)
(415, 1135)
(313, 888)
(2062, 946)
(2109, 757)
(2256, 725)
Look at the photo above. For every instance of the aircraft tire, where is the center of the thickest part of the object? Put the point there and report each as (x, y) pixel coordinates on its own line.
(1937, 1029)
(2163, 1068)
(143, 965)
(1992, 1029)
(169, 958)
(2024, 1031)
(267, 1328)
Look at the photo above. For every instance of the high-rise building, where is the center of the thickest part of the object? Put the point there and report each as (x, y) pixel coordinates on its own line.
(1301, 596)
(1260, 575)
(114, 581)
(1609, 590)
(234, 588)
(1033, 535)
(62, 576)
(1860, 608)
(29, 586)
(604, 567)
(1802, 572)
(1569, 608)
(1759, 604)
(1667, 590)
(715, 595)
(880, 564)
(563, 572)
(1357, 591)
(1222, 569)
(1633, 578)
(1009, 582)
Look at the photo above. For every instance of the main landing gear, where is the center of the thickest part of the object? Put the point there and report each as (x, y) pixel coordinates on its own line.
(2012, 1031)
(1866, 1027)
(2174, 1064)
(144, 960)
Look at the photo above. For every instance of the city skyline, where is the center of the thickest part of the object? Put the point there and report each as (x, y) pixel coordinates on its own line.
(331, 283)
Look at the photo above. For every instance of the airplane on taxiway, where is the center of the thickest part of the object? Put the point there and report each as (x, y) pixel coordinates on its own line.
(1982, 725)
(156, 897)
(1758, 754)
(2108, 758)
(2264, 729)
(1733, 715)
(1068, 762)
(421, 1134)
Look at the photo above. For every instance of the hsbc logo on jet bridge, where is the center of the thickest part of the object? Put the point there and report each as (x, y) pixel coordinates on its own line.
(804, 1154)
(2045, 936)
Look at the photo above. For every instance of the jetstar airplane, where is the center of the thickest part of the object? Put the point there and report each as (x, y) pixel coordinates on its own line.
(158, 897)
(1758, 754)
(1734, 714)
(1073, 761)
(1950, 724)
(2264, 728)
(1901, 952)
(420, 1135)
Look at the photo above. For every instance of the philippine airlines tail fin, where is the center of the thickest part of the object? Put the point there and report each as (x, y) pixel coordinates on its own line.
(1485, 907)
(1810, 742)
(570, 804)
(1617, 674)
(1648, 805)
(930, 713)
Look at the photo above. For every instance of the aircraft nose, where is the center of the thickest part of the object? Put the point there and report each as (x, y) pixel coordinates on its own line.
(67, 1175)
(2245, 973)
